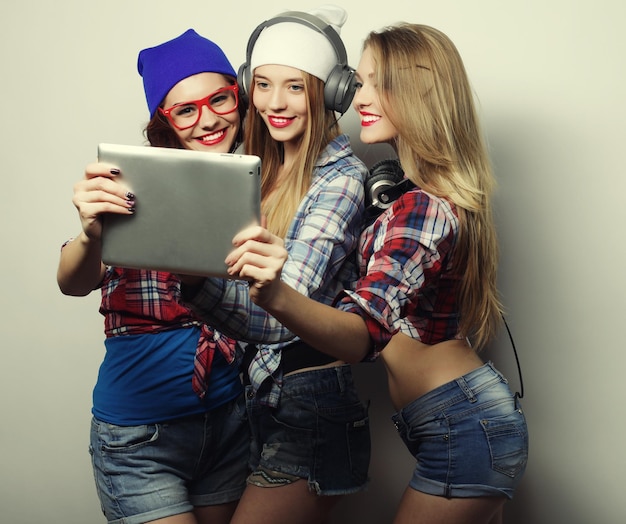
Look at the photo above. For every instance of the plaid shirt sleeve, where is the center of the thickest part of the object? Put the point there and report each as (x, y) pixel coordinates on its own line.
(325, 234)
(405, 252)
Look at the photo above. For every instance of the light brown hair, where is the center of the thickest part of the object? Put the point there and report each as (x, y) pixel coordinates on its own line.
(425, 92)
(280, 201)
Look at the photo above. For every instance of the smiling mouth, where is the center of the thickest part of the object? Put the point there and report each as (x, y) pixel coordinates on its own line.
(368, 120)
(213, 138)
(279, 121)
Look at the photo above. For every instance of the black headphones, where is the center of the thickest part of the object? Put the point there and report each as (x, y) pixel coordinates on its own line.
(339, 87)
(384, 184)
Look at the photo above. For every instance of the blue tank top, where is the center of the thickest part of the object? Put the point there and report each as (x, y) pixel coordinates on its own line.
(145, 379)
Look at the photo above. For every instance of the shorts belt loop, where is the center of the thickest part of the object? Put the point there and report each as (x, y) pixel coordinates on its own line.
(466, 389)
(340, 378)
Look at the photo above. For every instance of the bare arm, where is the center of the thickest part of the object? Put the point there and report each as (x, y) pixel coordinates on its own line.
(259, 257)
(80, 267)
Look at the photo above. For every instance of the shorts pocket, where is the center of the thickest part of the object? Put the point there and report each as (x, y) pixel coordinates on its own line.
(508, 442)
(359, 449)
(115, 439)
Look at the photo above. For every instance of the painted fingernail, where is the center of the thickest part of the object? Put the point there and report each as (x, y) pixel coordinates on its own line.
(115, 171)
(130, 203)
(131, 210)
(130, 196)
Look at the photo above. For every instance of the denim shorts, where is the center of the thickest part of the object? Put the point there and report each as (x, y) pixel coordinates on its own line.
(319, 432)
(469, 437)
(153, 471)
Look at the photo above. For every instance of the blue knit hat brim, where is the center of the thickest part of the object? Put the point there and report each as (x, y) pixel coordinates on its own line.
(163, 66)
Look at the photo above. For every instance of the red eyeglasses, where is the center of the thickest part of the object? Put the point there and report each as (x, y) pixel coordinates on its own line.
(186, 114)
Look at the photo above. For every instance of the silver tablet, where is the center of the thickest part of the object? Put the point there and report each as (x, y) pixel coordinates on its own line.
(189, 206)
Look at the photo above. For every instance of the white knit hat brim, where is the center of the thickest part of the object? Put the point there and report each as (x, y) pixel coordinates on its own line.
(295, 45)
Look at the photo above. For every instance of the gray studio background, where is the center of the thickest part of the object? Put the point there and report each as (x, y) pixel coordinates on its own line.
(550, 78)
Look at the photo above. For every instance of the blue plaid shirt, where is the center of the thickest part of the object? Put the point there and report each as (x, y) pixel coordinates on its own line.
(321, 242)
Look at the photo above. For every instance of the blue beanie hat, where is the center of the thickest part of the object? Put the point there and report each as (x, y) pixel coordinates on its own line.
(163, 66)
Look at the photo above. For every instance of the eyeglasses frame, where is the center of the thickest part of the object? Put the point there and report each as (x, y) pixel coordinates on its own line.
(200, 103)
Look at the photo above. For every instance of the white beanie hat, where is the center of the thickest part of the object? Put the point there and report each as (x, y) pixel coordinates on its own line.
(300, 46)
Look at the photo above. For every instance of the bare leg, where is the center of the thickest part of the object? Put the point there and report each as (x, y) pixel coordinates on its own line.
(420, 508)
(289, 504)
(218, 514)
(182, 518)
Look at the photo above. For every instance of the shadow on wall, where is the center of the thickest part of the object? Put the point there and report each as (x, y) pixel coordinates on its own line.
(391, 464)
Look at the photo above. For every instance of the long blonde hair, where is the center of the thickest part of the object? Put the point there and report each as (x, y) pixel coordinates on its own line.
(280, 201)
(426, 94)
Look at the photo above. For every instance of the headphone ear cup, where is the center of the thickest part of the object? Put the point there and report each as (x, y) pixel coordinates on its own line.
(243, 81)
(339, 88)
(382, 176)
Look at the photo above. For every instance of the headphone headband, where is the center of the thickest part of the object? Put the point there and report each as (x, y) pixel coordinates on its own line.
(339, 87)
(306, 19)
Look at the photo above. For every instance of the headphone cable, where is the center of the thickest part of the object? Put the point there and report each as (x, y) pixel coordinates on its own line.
(520, 393)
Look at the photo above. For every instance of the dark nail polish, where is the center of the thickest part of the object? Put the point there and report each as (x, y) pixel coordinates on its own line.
(130, 196)
(115, 171)
(131, 210)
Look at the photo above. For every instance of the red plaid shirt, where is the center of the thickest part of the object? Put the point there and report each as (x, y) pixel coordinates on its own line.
(406, 282)
(138, 301)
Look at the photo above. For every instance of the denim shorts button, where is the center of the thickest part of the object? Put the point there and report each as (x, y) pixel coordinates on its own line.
(250, 394)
